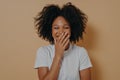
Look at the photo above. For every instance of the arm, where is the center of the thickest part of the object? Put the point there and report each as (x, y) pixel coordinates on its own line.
(85, 74)
(43, 72)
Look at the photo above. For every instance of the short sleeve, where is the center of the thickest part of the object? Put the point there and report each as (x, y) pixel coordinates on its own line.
(84, 59)
(41, 58)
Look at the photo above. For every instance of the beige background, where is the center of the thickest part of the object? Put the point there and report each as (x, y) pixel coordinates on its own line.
(19, 41)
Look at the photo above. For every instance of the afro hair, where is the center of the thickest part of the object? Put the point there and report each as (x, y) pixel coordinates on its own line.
(75, 17)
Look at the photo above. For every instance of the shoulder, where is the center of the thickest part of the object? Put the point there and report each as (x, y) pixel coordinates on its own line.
(81, 50)
(45, 48)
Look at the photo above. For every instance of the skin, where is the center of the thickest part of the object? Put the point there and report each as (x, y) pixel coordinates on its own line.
(61, 32)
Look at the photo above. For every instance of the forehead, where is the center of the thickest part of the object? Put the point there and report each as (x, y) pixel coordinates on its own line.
(60, 21)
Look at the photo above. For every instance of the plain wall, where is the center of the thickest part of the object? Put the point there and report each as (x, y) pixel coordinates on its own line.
(19, 41)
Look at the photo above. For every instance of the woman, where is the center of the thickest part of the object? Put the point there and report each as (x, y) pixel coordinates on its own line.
(62, 59)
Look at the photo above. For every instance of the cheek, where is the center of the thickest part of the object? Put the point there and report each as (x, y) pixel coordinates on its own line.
(69, 32)
(54, 33)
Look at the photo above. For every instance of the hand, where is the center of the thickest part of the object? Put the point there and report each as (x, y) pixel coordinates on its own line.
(60, 44)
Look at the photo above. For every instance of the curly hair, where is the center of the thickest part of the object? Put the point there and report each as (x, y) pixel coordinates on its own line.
(75, 17)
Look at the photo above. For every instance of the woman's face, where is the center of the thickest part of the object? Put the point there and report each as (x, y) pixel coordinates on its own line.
(59, 26)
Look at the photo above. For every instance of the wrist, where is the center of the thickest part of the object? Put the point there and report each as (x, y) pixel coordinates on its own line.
(58, 57)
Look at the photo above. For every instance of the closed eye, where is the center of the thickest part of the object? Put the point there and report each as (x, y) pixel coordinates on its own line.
(55, 27)
(66, 27)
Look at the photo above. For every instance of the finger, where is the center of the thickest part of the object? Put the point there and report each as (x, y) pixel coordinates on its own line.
(65, 40)
(60, 36)
(66, 43)
(63, 37)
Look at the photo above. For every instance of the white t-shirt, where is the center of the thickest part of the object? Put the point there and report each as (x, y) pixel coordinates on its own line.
(75, 59)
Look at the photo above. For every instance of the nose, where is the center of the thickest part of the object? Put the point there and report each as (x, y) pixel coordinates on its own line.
(61, 30)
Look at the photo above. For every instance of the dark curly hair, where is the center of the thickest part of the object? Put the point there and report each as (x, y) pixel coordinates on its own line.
(75, 17)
